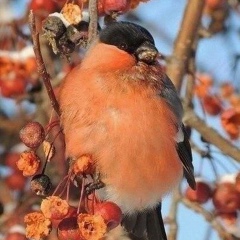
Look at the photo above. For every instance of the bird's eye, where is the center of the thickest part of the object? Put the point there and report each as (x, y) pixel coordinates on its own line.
(122, 46)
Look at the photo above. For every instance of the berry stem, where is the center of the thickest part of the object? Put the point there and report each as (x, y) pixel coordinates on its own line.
(59, 185)
(81, 195)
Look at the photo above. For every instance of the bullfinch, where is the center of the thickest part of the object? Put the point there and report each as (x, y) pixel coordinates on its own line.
(119, 106)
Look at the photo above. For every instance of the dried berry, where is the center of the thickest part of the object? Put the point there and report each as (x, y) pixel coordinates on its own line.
(83, 165)
(38, 226)
(53, 27)
(29, 163)
(72, 13)
(65, 46)
(32, 134)
(48, 149)
(54, 207)
(41, 184)
(91, 227)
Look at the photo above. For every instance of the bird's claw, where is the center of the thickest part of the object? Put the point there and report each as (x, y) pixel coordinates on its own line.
(91, 187)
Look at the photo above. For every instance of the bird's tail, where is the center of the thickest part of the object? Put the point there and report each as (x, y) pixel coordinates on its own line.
(146, 225)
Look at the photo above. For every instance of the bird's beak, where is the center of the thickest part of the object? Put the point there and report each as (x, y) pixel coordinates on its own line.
(147, 53)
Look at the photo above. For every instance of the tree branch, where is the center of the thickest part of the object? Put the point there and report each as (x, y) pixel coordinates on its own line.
(178, 63)
(40, 63)
(211, 135)
(209, 218)
(93, 24)
(172, 216)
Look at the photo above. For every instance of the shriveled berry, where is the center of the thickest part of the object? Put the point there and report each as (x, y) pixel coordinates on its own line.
(91, 226)
(53, 26)
(37, 225)
(32, 134)
(28, 163)
(54, 207)
(41, 184)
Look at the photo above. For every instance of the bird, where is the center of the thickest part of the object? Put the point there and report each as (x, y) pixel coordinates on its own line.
(119, 106)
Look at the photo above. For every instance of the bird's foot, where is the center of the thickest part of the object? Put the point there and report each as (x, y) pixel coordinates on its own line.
(95, 185)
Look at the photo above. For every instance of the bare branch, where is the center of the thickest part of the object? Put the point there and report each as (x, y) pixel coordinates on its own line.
(177, 65)
(209, 217)
(172, 216)
(40, 63)
(211, 135)
(93, 24)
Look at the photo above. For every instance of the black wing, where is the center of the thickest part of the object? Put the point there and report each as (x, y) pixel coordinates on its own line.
(145, 225)
(185, 154)
(169, 94)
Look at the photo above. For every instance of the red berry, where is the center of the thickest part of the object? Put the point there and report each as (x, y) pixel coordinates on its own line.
(32, 134)
(202, 193)
(38, 5)
(228, 218)
(237, 182)
(68, 229)
(214, 4)
(109, 6)
(16, 181)
(72, 212)
(12, 87)
(11, 160)
(110, 212)
(212, 105)
(225, 198)
(15, 236)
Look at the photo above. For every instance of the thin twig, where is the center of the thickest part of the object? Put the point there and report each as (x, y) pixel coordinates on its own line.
(209, 217)
(93, 24)
(40, 63)
(172, 216)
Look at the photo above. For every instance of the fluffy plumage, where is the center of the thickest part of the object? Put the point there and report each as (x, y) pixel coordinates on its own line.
(119, 106)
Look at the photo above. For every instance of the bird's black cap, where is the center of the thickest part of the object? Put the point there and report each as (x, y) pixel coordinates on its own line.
(126, 36)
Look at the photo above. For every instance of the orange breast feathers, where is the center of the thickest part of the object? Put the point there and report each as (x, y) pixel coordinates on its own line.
(123, 123)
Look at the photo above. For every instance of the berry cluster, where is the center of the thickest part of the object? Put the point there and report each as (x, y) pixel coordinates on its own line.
(90, 219)
(17, 71)
(225, 103)
(225, 197)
